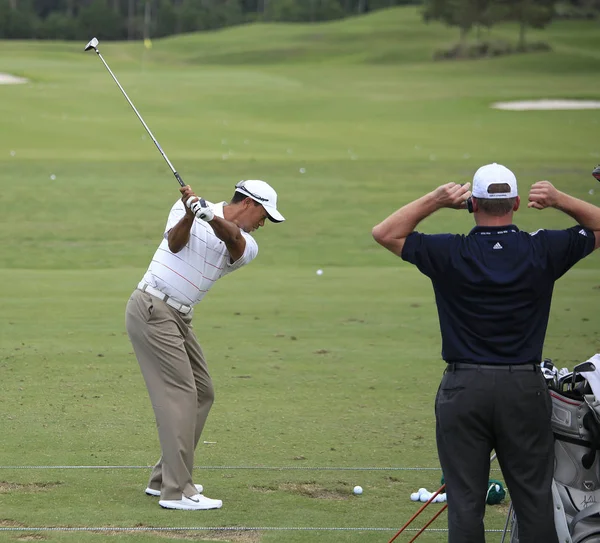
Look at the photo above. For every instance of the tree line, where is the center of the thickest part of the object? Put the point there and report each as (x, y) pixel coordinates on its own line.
(479, 15)
(139, 19)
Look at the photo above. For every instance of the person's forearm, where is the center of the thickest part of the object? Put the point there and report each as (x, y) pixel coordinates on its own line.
(179, 235)
(402, 222)
(586, 214)
(230, 234)
(227, 231)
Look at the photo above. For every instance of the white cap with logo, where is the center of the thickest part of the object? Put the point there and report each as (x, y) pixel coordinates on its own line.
(492, 174)
(262, 193)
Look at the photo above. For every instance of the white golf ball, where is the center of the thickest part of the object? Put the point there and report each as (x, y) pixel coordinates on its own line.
(425, 496)
(13, 153)
(415, 496)
(357, 490)
(53, 177)
(319, 272)
(302, 170)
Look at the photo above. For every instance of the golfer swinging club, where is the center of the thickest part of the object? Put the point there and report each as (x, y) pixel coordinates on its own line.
(493, 289)
(202, 243)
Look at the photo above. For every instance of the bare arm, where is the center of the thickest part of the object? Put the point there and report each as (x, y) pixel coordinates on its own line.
(393, 231)
(230, 234)
(543, 194)
(179, 235)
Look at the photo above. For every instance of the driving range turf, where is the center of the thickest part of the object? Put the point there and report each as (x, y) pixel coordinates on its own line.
(348, 121)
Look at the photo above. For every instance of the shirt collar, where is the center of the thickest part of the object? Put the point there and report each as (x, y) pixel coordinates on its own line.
(505, 229)
(218, 209)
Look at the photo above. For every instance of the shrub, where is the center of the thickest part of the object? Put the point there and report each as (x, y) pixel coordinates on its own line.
(486, 49)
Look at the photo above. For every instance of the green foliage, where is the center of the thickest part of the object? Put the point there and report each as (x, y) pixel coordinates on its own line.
(464, 14)
(579, 10)
(194, 15)
(304, 10)
(483, 49)
(124, 19)
(99, 19)
(467, 14)
(58, 26)
(166, 20)
(527, 13)
(284, 10)
(328, 9)
(17, 23)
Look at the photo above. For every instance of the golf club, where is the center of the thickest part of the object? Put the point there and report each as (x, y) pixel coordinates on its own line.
(441, 489)
(93, 44)
(596, 172)
(550, 373)
(564, 379)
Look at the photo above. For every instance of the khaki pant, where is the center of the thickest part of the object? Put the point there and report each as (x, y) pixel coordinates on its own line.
(179, 386)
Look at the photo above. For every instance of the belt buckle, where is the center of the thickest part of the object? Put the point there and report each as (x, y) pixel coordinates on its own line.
(182, 308)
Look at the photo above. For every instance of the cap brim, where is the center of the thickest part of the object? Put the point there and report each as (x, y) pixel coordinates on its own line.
(274, 215)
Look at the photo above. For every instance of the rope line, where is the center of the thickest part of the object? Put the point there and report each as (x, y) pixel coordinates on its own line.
(213, 528)
(272, 468)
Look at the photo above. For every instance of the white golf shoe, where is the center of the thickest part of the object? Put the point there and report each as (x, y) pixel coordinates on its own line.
(194, 503)
(152, 492)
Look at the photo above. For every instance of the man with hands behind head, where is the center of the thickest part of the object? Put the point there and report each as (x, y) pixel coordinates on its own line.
(202, 243)
(493, 289)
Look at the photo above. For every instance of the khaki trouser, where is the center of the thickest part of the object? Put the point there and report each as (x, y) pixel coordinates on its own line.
(179, 386)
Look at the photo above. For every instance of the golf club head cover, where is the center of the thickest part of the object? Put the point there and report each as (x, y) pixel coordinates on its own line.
(202, 210)
(596, 172)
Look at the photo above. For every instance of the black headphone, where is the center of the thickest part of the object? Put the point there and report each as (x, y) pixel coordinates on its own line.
(469, 202)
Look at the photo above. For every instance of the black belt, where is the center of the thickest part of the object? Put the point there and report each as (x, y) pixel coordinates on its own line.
(453, 366)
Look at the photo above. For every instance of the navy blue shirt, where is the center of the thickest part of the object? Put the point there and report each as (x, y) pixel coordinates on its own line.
(493, 287)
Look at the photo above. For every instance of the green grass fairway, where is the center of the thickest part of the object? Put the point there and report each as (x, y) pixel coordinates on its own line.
(348, 120)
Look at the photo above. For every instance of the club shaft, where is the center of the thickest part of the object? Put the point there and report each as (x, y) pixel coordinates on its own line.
(417, 513)
(177, 176)
(492, 458)
(430, 521)
(507, 521)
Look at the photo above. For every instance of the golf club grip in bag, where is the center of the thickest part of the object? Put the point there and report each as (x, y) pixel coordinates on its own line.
(576, 485)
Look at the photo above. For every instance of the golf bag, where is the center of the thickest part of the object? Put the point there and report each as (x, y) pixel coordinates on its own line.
(576, 485)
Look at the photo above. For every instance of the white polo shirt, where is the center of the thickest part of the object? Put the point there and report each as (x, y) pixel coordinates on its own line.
(187, 276)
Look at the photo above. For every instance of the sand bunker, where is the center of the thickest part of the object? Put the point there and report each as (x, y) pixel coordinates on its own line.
(7, 79)
(547, 104)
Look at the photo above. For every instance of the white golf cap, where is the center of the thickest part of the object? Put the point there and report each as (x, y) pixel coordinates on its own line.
(492, 174)
(262, 193)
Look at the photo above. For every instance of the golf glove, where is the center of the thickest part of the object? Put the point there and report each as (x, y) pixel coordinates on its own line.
(201, 209)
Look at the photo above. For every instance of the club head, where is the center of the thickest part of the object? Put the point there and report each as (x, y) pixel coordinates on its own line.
(584, 366)
(92, 45)
(596, 172)
(562, 380)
